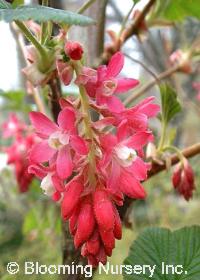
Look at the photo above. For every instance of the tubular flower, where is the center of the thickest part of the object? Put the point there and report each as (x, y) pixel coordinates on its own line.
(59, 141)
(104, 84)
(96, 170)
(183, 179)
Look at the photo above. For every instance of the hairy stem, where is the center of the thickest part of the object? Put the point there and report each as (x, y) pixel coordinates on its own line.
(85, 6)
(88, 130)
(32, 39)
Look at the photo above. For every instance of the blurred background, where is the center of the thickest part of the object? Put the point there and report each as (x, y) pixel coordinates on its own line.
(30, 227)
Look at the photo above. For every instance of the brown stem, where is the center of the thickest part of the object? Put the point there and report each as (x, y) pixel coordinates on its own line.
(187, 152)
(150, 84)
(55, 95)
(133, 29)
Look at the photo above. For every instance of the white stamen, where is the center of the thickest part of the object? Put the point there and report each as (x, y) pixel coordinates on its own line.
(47, 185)
(125, 155)
(58, 139)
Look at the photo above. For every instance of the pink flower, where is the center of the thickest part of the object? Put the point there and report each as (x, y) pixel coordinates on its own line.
(51, 184)
(104, 83)
(12, 127)
(74, 50)
(121, 164)
(58, 141)
(183, 179)
(17, 156)
(65, 71)
(181, 58)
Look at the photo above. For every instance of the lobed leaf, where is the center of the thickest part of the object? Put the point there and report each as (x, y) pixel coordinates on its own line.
(157, 245)
(42, 14)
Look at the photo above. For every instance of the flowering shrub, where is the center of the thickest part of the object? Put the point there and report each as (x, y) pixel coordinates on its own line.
(93, 150)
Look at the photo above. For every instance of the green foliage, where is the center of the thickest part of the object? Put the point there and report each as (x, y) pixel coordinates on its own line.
(170, 104)
(17, 3)
(15, 101)
(4, 4)
(157, 245)
(177, 10)
(42, 14)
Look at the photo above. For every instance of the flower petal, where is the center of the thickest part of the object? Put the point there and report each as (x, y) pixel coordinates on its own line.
(139, 169)
(139, 140)
(41, 152)
(131, 187)
(125, 84)
(66, 119)
(114, 104)
(79, 145)
(43, 125)
(115, 65)
(64, 163)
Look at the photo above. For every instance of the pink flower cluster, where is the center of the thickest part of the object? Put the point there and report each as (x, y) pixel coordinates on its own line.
(18, 151)
(92, 165)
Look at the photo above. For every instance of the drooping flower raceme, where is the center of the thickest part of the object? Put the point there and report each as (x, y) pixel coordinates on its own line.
(88, 170)
(17, 152)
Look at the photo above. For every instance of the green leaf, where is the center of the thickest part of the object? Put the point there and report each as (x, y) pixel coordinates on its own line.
(42, 14)
(170, 104)
(4, 4)
(157, 245)
(177, 10)
(16, 3)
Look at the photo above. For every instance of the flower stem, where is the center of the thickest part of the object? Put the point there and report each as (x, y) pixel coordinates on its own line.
(88, 130)
(31, 38)
(163, 136)
(176, 150)
(85, 6)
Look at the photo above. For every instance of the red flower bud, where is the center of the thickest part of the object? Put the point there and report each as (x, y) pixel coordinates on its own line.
(103, 209)
(71, 198)
(65, 72)
(118, 225)
(85, 224)
(108, 240)
(74, 50)
(73, 221)
(183, 179)
(93, 244)
(101, 256)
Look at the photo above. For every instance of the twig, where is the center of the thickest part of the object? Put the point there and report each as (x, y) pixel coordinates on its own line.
(130, 31)
(187, 152)
(133, 29)
(85, 6)
(150, 84)
(142, 64)
(123, 26)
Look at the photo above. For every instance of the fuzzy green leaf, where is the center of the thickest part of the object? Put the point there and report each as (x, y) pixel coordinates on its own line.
(177, 10)
(170, 104)
(4, 4)
(42, 14)
(157, 245)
